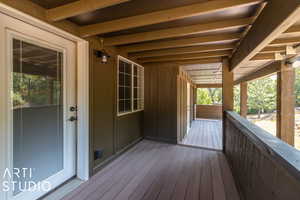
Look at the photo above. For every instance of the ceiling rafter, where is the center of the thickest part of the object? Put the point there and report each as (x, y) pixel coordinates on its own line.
(79, 7)
(182, 50)
(187, 56)
(181, 42)
(178, 31)
(267, 27)
(164, 16)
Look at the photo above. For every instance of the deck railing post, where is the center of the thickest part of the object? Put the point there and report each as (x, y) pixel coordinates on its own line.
(244, 99)
(286, 103)
(227, 94)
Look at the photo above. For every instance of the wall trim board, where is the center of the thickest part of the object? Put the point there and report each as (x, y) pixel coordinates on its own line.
(161, 139)
(115, 156)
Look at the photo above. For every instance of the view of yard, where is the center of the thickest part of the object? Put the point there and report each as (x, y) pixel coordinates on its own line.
(262, 100)
(268, 123)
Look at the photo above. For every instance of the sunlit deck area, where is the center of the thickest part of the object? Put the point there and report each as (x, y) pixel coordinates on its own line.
(206, 133)
(154, 170)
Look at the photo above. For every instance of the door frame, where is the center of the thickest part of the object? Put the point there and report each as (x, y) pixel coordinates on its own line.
(82, 47)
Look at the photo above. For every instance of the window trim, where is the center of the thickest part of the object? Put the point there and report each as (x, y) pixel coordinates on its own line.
(132, 110)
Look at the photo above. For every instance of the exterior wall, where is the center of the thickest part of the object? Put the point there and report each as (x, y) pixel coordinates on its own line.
(209, 111)
(264, 167)
(160, 115)
(108, 132)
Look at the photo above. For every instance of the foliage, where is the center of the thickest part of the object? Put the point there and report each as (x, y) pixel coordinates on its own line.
(236, 93)
(262, 95)
(297, 87)
(34, 90)
(209, 96)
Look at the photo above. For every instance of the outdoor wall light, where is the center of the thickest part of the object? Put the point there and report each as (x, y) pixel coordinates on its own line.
(103, 55)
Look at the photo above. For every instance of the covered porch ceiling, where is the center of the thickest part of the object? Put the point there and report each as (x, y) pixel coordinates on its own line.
(196, 34)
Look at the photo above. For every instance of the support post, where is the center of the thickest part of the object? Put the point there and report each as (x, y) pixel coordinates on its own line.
(243, 99)
(195, 102)
(286, 103)
(227, 94)
(227, 86)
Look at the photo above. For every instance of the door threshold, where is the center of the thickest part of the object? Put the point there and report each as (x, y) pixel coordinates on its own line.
(63, 190)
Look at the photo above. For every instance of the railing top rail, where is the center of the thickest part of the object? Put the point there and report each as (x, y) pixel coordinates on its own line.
(286, 155)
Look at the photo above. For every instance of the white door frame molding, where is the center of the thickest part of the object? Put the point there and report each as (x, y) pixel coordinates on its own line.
(82, 90)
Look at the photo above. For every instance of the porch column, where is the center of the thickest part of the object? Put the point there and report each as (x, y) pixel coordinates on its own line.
(195, 102)
(227, 91)
(286, 103)
(227, 94)
(244, 99)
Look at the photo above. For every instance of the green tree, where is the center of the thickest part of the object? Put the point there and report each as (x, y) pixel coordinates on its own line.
(236, 93)
(297, 87)
(209, 96)
(262, 95)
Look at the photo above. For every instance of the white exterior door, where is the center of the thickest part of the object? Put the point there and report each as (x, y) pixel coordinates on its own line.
(37, 110)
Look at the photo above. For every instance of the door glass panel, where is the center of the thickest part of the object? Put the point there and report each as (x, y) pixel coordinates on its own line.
(37, 110)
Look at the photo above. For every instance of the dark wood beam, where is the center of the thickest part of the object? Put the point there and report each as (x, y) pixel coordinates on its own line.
(167, 15)
(178, 31)
(79, 7)
(265, 71)
(182, 50)
(213, 85)
(275, 19)
(187, 56)
(196, 41)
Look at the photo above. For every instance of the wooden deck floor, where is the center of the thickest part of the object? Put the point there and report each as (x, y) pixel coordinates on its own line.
(159, 171)
(205, 133)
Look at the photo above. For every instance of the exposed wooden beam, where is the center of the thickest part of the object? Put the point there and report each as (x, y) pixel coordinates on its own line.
(186, 56)
(195, 61)
(286, 103)
(164, 16)
(274, 49)
(182, 50)
(286, 41)
(290, 50)
(267, 27)
(181, 42)
(202, 69)
(34, 10)
(293, 29)
(264, 56)
(265, 71)
(79, 7)
(178, 32)
(215, 85)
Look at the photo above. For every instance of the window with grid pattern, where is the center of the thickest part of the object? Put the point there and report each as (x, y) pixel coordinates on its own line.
(130, 86)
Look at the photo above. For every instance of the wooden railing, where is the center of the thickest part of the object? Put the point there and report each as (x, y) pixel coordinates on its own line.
(264, 167)
(209, 111)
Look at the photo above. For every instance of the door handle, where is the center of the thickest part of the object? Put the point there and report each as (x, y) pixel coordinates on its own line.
(72, 119)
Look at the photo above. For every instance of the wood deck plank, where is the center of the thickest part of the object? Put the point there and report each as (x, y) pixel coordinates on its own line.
(156, 176)
(205, 133)
(106, 172)
(169, 185)
(123, 173)
(133, 176)
(161, 171)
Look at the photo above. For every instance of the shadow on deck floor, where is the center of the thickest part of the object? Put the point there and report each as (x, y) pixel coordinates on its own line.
(153, 170)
